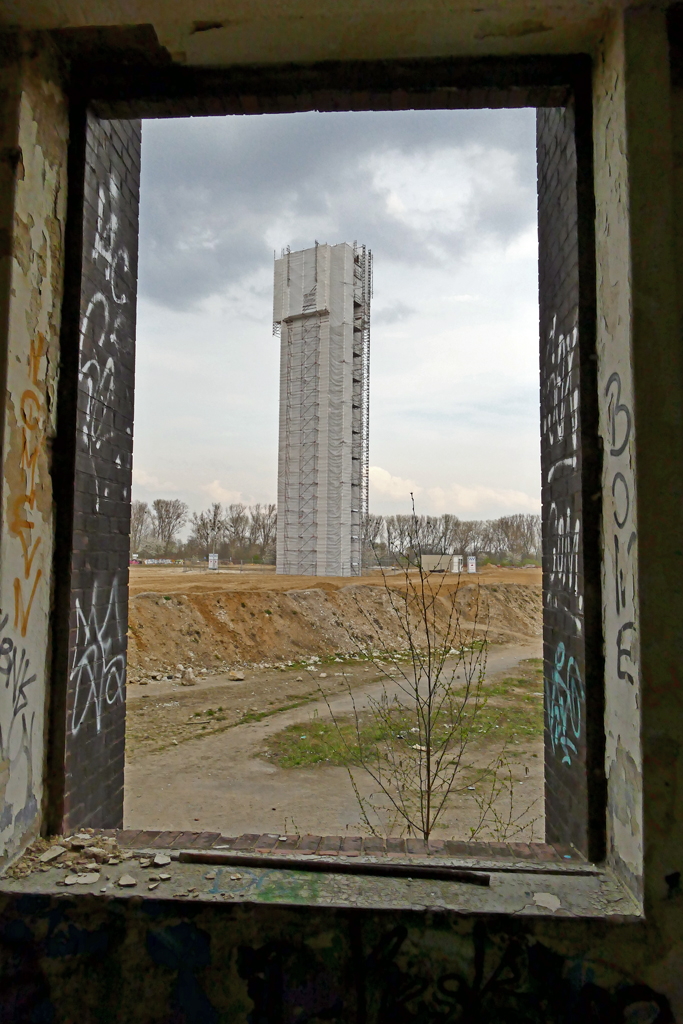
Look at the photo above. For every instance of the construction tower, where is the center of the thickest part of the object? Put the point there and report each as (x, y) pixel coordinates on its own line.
(321, 311)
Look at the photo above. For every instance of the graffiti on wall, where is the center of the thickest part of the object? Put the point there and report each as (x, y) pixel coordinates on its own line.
(560, 416)
(26, 538)
(18, 803)
(98, 673)
(100, 330)
(95, 704)
(22, 517)
(564, 690)
(98, 666)
(17, 728)
(564, 702)
(623, 536)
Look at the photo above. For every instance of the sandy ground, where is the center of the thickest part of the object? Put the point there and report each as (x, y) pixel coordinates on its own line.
(177, 579)
(195, 756)
(216, 621)
(219, 780)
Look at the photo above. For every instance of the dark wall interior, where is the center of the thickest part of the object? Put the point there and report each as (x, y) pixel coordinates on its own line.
(86, 961)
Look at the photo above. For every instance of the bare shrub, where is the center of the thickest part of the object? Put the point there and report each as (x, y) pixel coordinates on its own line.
(415, 740)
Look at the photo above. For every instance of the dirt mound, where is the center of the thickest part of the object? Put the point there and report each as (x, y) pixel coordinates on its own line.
(238, 625)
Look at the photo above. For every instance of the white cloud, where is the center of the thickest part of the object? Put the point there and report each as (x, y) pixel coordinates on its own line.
(473, 501)
(219, 493)
(148, 481)
(447, 202)
(383, 484)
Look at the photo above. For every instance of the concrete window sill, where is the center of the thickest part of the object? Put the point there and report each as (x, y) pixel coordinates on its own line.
(525, 880)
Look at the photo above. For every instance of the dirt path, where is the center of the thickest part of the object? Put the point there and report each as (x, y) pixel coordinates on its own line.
(218, 782)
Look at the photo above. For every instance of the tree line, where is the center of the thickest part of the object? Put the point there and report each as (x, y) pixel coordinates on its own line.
(236, 533)
(241, 532)
(515, 538)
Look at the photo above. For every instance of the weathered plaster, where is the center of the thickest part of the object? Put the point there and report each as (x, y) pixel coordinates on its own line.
(617, 429)
(29, 425)
(658, 386)
(219, 33)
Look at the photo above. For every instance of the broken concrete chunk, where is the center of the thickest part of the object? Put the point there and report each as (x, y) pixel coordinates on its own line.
(97, 854)
(145, 862)
(210, 875)
(547, 900)
(79, 842)
(126, 881)
(161, 860)
(87, 878)
(152, 885)
(51, 854)
(164, 877)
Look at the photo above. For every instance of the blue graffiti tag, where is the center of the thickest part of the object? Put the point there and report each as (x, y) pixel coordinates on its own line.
(564, 700)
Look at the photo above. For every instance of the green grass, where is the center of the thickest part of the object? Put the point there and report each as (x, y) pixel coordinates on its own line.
(320, 742)
(513, 718)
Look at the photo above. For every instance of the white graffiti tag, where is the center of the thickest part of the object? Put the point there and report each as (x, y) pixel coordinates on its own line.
(99, 333)
(561, 421)
(98, 677)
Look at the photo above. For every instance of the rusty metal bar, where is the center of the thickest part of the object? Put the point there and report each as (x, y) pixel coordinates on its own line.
(336, 867)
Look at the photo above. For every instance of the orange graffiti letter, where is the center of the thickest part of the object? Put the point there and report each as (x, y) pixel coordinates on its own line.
(19, 609)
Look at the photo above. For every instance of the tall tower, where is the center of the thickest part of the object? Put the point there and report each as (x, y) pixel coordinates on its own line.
(321, 310)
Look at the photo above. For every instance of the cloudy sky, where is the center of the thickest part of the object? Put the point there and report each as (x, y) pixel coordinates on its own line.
(446, 201)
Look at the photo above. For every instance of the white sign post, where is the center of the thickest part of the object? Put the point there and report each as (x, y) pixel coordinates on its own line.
(471, 563)
(213, 561)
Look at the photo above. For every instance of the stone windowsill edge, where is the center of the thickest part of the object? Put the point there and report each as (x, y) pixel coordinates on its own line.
(597, 897)
(517, 884)
(494, 855)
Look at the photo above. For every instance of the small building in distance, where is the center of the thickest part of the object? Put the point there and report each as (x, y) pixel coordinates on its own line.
(442, 563)
(321, 311)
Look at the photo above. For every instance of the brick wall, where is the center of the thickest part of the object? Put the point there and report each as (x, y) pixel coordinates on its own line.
(571, 589)
(92, 669)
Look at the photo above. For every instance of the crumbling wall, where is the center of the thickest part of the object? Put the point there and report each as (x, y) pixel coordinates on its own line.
(34, 152)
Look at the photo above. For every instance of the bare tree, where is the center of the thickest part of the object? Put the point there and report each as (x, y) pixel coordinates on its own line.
(170, 515)
(140, 521)
(372, 531)
(237, 525)
(209, 527)
(262, 526)
(429, 709)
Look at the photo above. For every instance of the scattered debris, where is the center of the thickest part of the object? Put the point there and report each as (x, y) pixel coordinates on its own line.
(126, 881)
(161, 860)
(235, 676)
